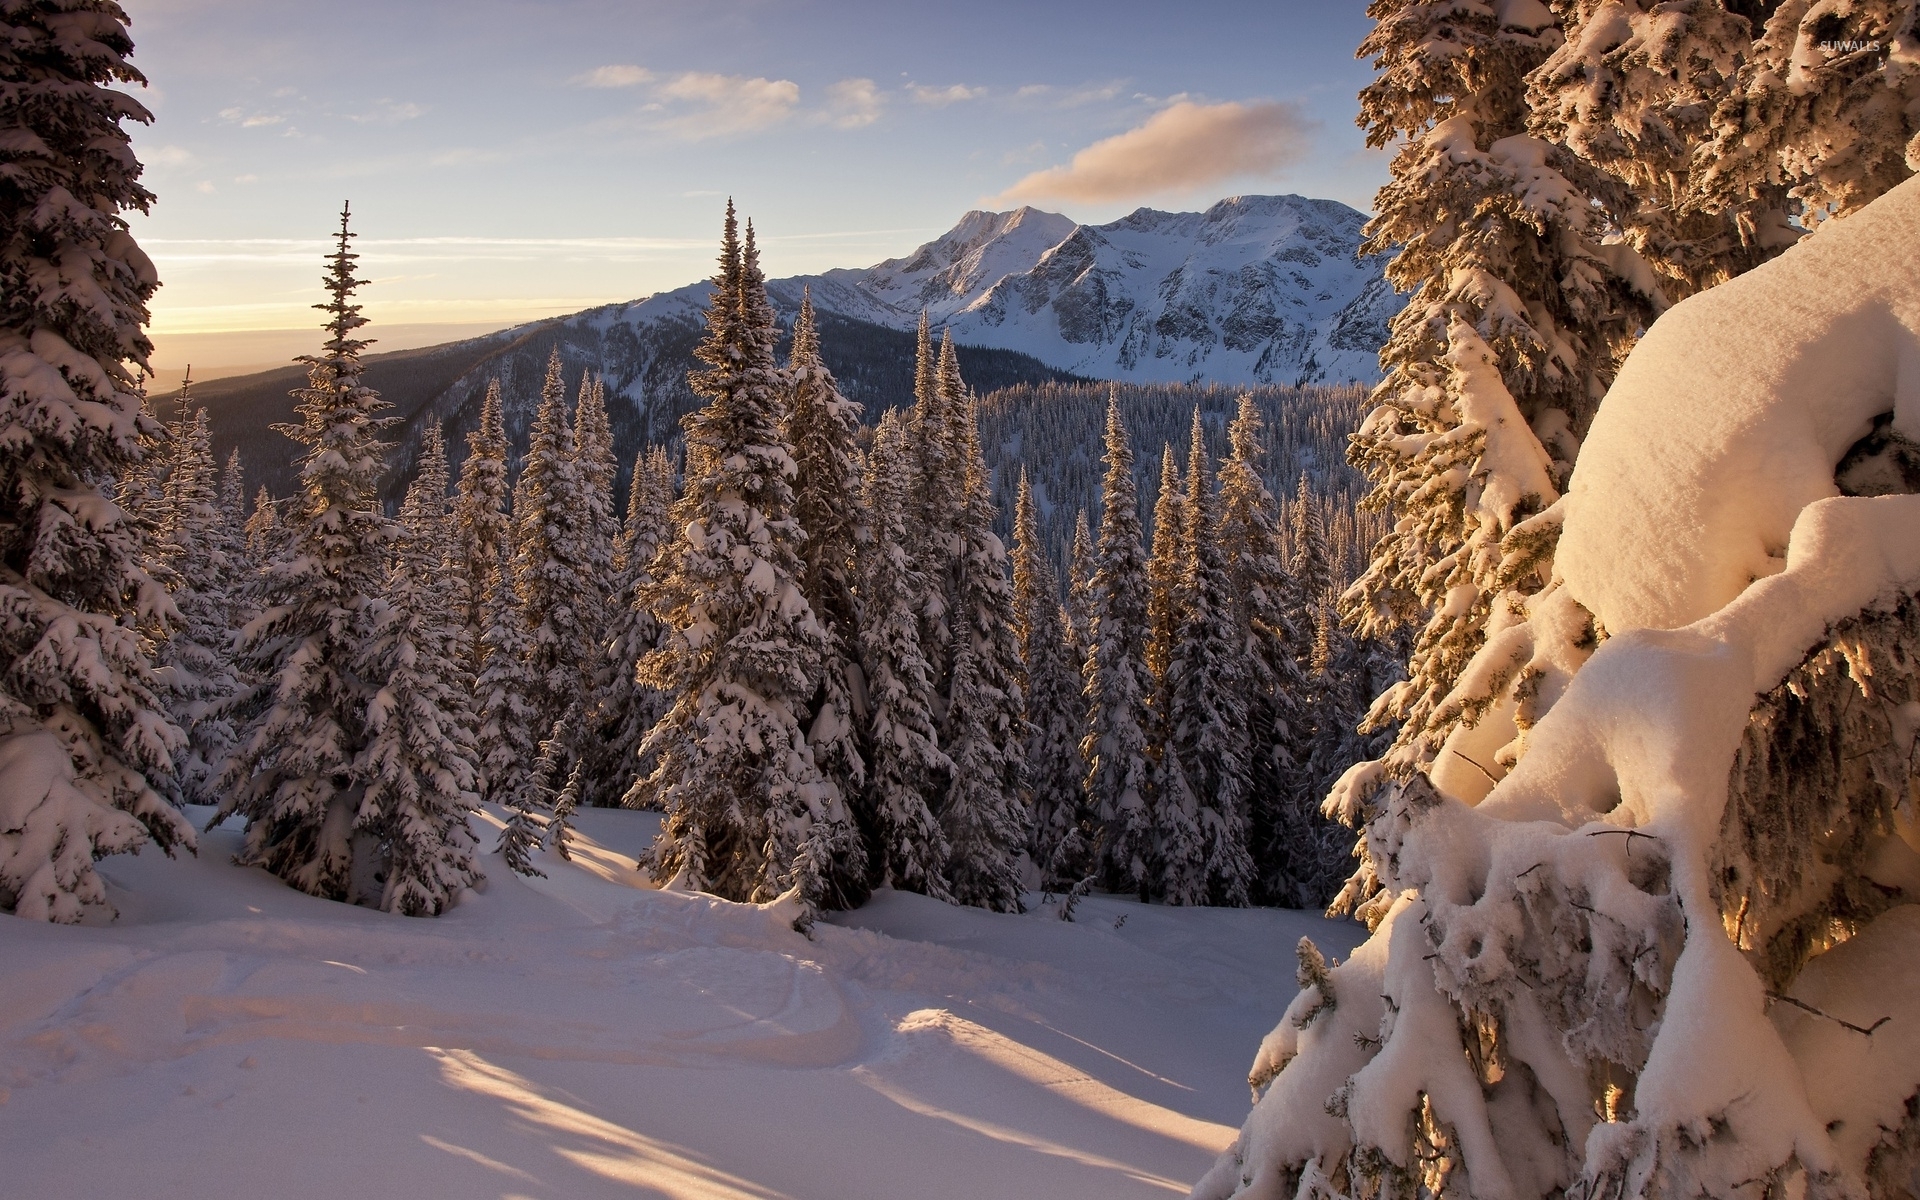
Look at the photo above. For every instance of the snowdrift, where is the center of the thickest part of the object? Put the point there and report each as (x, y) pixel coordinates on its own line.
(583, 1036)
(1672, 952)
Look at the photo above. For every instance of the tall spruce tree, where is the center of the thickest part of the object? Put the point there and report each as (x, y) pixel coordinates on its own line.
(1278, 698)
(194, 657)
(1523, 303)
(82, 732)
(1117, 683)
(554, 563)
(820, 426)
(906, 847)
(263, 529)
(481, 524)
(625, 709)
(1080, 585)
(1060, 845)
(298, 775)
(503, 690)
(985, 817)
(1201, 817)
(747, 815)
(934, 500)
(421, 761)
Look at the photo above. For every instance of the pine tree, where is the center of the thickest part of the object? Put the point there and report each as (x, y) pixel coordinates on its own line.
(625, 708)
(264, 534)
(1827, 106)
(481, 523)
(1050, 682)
(1115, 745)
(230, 538)
(194, 658)
(532, 809)
(1202, 818)
(1522, 306)
(82, 732)
(421, 762)
(1280, 810)
(933, 503)
(297, 776)
(554, 564)
(906, 847)
(984, 816)
(820, 425)
(1632, 92)
(1165, 564)
(747, 815)
(503, 690)
(1080, 563)
(600, 529)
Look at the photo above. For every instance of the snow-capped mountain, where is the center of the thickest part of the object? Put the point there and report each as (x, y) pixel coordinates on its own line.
(1257, 289)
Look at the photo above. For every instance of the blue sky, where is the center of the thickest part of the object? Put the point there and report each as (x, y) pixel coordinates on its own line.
(508, 160)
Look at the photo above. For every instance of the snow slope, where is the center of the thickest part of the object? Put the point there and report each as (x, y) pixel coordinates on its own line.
(581, 1036)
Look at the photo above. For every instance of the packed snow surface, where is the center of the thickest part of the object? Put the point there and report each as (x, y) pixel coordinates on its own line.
(582, 1035)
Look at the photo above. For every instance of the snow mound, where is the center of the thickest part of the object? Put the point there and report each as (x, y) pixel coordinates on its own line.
(1562, 1004)
(1730, 415)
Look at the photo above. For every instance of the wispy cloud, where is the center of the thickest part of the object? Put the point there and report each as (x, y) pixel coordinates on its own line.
(617, 75)
(1065, 97)
(852, 103)
(701, 104)
(388, 112)
(1178, 149)
(940, 97)
(247, 120)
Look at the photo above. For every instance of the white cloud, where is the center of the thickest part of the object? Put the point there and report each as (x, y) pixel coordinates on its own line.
(247, 120)
(852, 103)
(1181, 148)
(618, 75)
(246, 179)
(386, 112)
(169, 156)
(938, 97)
(204, 187)
(706, 105)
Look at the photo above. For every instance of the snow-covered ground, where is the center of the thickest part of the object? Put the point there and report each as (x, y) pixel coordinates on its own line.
(583, 1035)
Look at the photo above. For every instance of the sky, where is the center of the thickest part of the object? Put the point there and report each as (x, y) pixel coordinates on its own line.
(508, 160)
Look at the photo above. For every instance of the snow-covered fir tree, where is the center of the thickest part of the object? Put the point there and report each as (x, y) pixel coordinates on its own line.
(1117, 683)
(263, 529)
(906, 846)
(747, 814)
(1522, 307)
(1827, 105)
(1632, 91)
(1165, 563)
(1080, 585)
(935, 499)
(1200, 815)
(820, 426)
(557, 573)
(625, 709)
(421, 763)
(82, 731)
(530, 813)
(481, 523)
(505, 713)
(985, 732)
(600, 530)
(1280, 811)
(230, 537)
(194, 657)
(1061, 846)
(298, 775)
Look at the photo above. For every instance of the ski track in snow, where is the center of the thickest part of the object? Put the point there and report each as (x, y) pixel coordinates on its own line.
(584, 1035)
